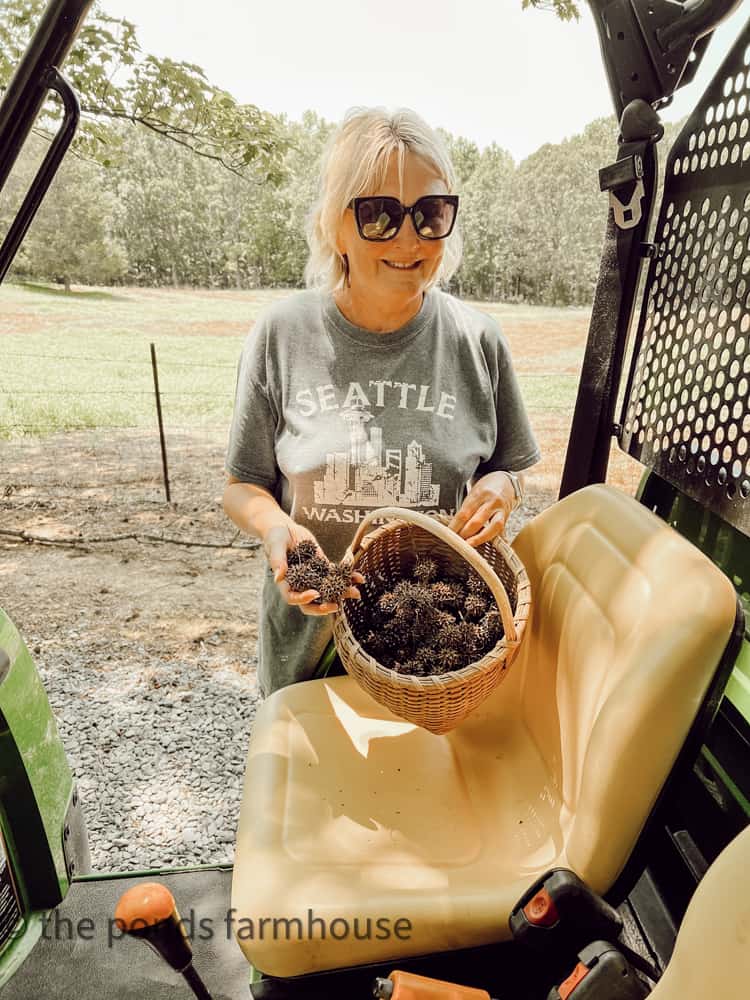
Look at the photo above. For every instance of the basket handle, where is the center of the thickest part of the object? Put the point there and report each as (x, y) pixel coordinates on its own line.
(452, 539)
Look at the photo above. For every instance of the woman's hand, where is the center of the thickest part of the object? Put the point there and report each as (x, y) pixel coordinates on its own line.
(486, 509)
(276, 543)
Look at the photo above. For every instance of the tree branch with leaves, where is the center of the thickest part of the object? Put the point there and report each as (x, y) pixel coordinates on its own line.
(566, 10)
(116, 81)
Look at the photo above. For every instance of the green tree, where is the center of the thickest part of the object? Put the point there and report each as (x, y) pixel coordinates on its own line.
(183, 219)
(71, 238)
(464, 155)
(117, 82)
(566, 10)
(562, 215)
(486, 217)
(277, 219)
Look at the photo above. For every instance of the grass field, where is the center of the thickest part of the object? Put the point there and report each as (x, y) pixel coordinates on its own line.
(82, 360)
(74, 361)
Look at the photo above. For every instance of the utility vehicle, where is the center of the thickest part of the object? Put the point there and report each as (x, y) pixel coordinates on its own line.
(619, 744)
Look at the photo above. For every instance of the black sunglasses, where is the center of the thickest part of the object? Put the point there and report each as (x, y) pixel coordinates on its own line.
(379, 219)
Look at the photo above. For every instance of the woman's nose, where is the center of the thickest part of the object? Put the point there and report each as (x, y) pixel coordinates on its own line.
(407, 234)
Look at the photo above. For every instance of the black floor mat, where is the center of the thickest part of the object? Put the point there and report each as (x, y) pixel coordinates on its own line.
(66, 966)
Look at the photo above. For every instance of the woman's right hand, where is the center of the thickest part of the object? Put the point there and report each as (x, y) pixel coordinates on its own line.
(276, 543)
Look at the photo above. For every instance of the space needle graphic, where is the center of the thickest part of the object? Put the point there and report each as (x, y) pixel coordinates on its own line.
(372, 476)
(357, 417)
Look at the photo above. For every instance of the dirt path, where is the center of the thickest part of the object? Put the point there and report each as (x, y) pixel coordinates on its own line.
(173, 601)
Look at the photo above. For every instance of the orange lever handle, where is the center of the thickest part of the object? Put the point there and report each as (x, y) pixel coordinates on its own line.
(144, 905)
(407, 986)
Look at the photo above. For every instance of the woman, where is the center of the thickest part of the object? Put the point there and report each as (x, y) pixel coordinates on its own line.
(371, 388)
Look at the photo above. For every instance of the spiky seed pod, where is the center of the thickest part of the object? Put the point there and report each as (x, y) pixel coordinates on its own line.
(320, 565)
(419, 669)
(489, 631)
(443, 620)
(425, 569)
(475, 606)
(407, 627)
(374, 643)
(401, 633)
(467, 644)
(402, 590)
(452, 636)
(493, 622)
(425, 659)
(414, 612)
(413, 595)
(393, 663)
(447, 660)
(388, 602)
(444, 595)
(430, 627)
(303, 576)
(422, 597)
(419, 663)
(476, 584)
(402, 656)
(335, 585)
(302, 552)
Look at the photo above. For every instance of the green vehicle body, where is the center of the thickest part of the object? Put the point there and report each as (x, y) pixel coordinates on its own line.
(36, 788)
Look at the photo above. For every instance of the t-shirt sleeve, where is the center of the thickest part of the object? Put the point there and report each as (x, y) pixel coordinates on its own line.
(516, 447)
(251, 454)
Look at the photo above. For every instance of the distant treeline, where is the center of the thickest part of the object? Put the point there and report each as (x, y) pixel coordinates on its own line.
(160, 215)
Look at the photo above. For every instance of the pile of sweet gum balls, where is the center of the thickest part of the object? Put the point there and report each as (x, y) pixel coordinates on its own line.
(420, 625)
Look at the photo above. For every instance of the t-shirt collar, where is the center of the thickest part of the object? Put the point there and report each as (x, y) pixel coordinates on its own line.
(340, 324)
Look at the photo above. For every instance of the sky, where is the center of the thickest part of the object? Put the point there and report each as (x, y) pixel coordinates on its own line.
(483, 69)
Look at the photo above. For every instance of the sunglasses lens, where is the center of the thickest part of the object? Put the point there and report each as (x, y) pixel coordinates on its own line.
(434, 217)
(379, 218)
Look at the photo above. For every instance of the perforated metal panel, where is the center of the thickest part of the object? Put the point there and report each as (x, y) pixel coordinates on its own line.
(686, 409)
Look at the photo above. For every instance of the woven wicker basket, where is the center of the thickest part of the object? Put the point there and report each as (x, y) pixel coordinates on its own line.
(387, 554)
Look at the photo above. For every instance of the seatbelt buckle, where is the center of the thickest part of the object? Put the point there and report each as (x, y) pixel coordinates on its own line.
(561, 914)
(601, 973)
(625, 175)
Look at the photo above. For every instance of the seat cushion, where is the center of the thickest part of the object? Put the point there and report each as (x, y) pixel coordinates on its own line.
(629, 621)
(711, 957)
(350, 812)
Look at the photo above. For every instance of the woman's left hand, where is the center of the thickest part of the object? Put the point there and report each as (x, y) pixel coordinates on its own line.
(486, 509)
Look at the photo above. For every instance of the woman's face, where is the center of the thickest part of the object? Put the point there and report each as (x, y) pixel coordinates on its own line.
(371, 264)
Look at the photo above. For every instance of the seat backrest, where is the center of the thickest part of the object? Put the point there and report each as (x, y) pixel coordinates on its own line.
(711, 957)
(628, 625)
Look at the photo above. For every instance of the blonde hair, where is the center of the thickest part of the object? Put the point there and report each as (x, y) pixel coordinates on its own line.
(355, 161)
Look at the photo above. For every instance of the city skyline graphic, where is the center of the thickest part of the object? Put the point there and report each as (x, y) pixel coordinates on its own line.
(372, 475)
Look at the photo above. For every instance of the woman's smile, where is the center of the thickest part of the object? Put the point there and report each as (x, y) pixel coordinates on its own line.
(403, 265)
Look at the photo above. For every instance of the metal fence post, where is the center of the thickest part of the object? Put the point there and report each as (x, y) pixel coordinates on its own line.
(161, 423)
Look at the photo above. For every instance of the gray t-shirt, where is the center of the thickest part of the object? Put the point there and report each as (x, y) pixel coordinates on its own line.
(335, 420)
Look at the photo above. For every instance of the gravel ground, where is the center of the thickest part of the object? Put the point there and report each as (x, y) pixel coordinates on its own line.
(159, 754)
(147, 651)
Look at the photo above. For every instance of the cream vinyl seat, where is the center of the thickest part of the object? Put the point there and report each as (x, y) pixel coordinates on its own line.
(711, 957)
(349, 812)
